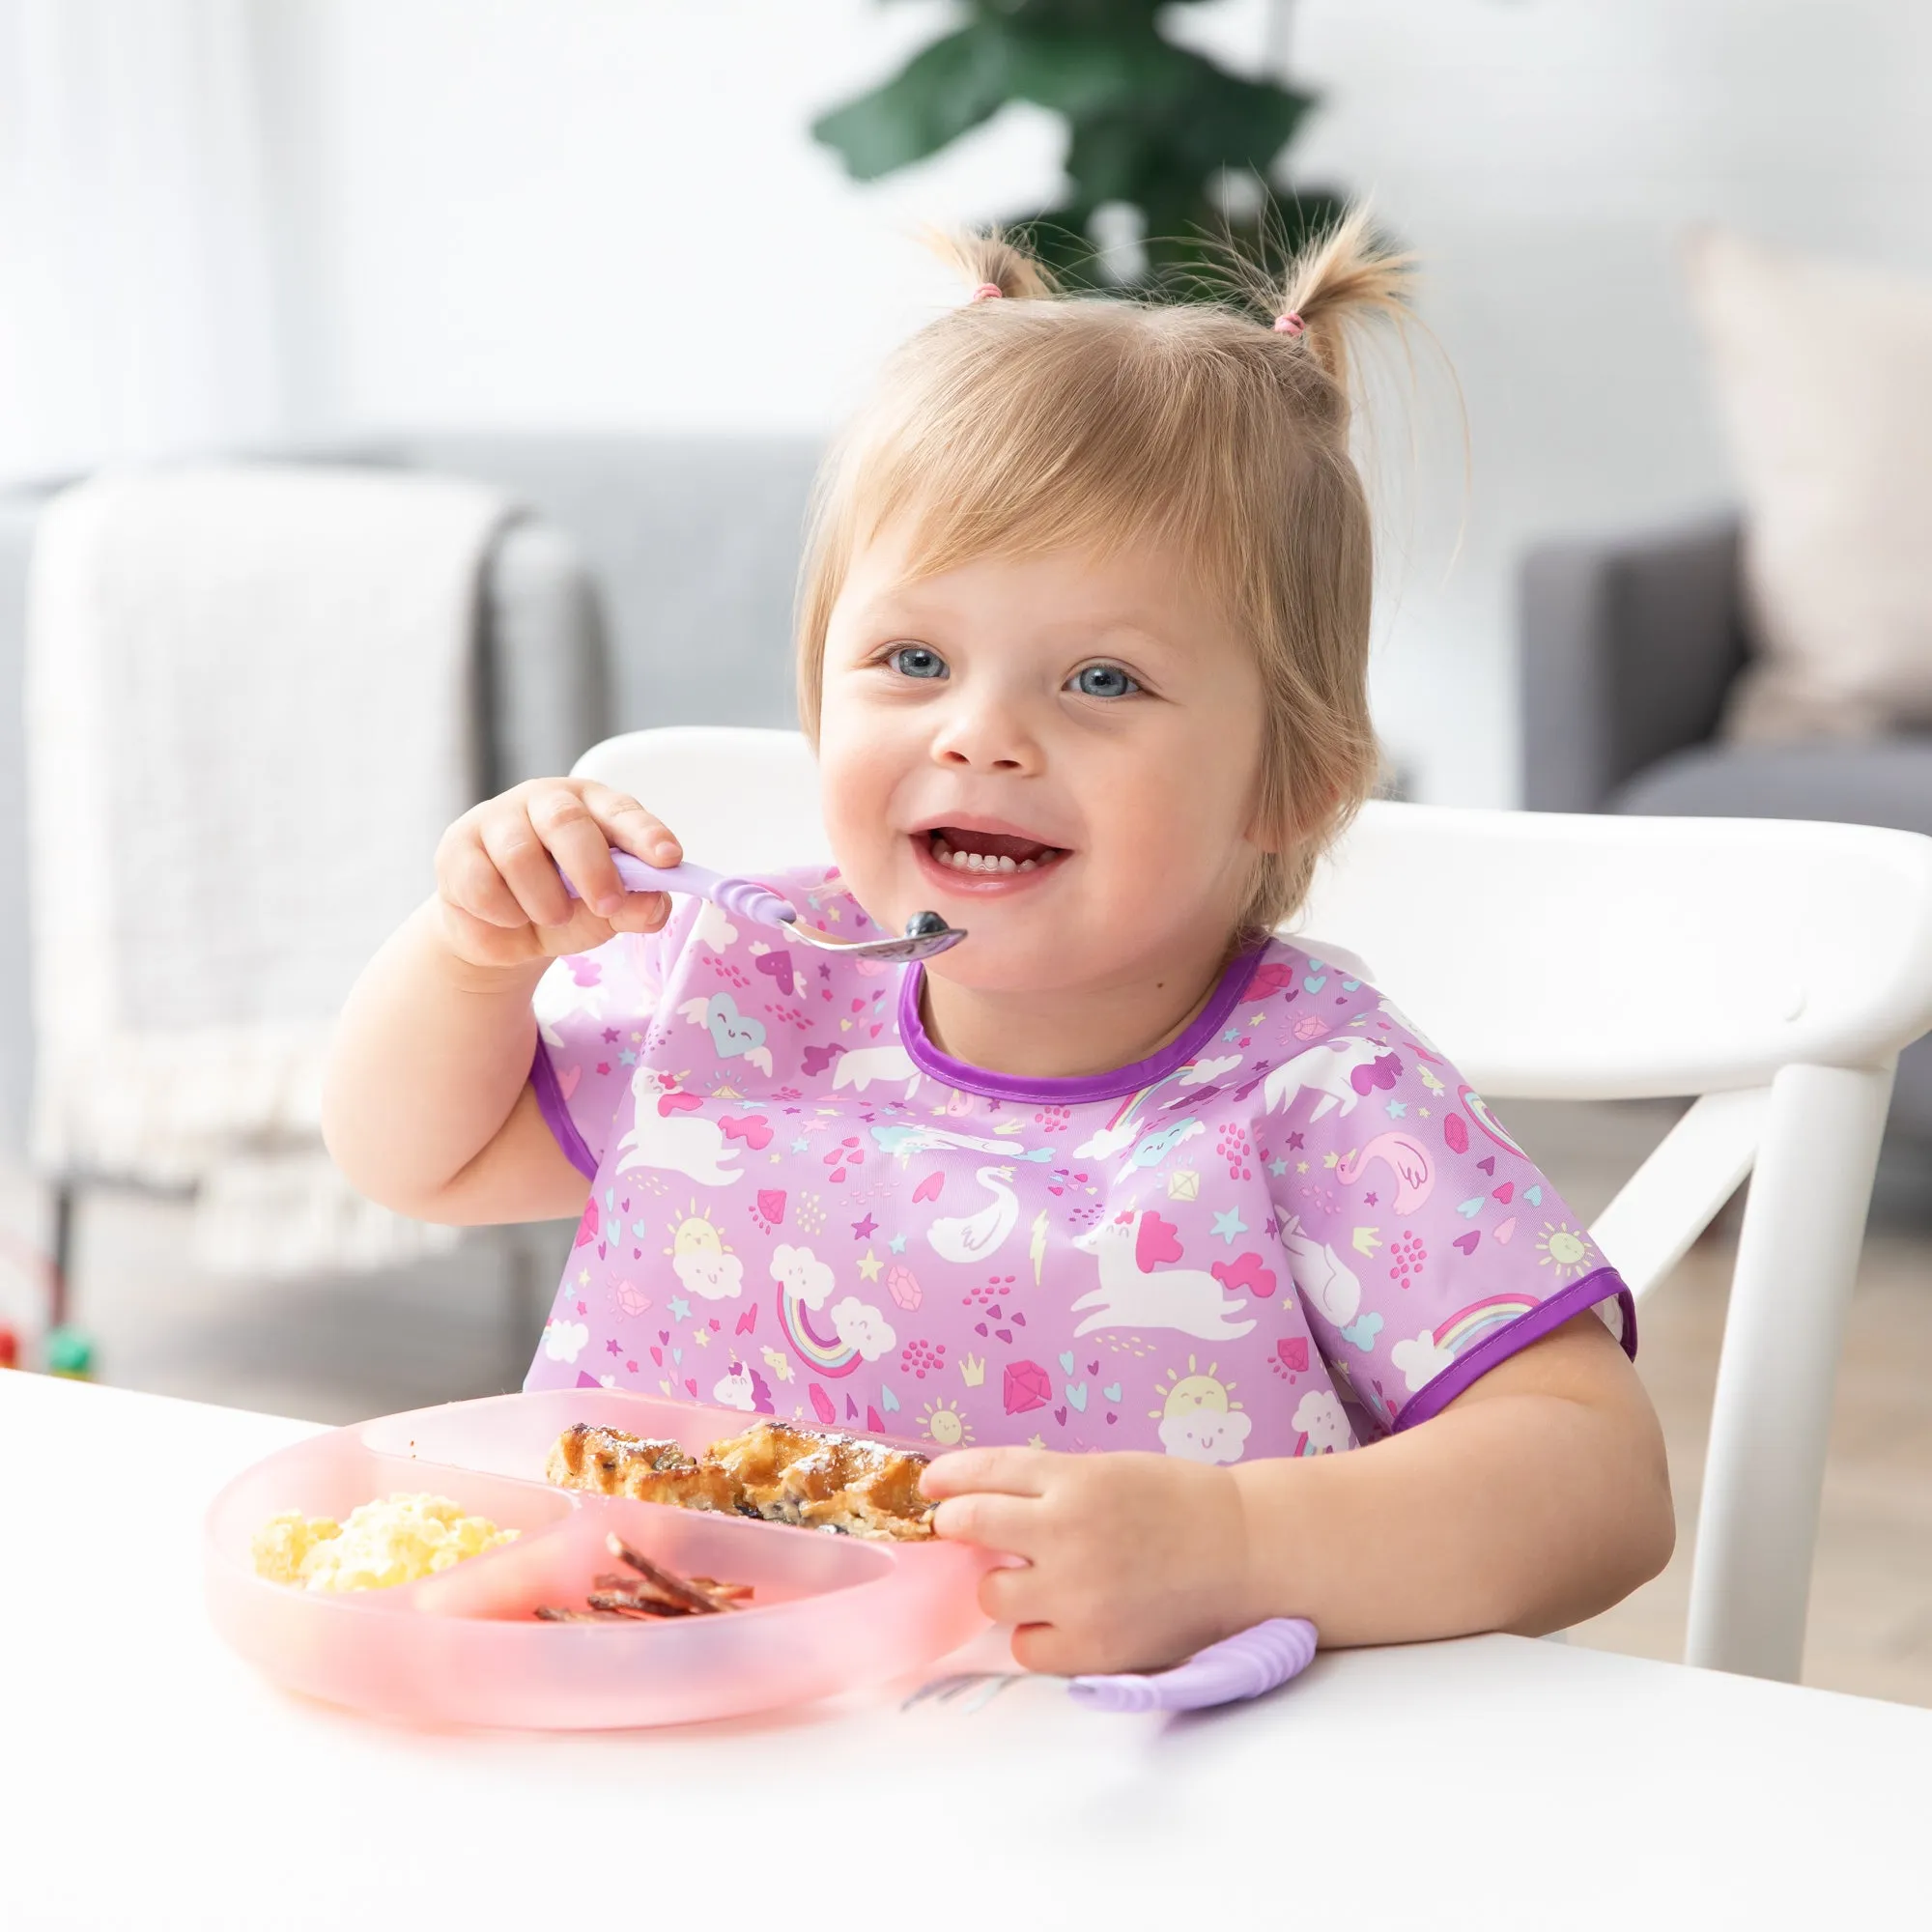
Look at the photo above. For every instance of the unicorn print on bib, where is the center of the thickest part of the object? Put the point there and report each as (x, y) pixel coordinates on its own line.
(1296, 1191)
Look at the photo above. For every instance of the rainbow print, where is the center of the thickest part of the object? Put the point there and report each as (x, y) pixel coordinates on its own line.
(1132, 1108)
(1462, 1331)
(829, 1358)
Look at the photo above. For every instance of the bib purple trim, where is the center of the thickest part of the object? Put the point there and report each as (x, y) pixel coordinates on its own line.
(555, 1111)
(1076, 1088)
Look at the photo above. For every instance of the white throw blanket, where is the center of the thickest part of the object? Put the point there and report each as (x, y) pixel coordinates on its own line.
(252, 711)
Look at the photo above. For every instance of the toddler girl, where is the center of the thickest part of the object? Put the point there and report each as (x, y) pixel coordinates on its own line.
(1083, 651)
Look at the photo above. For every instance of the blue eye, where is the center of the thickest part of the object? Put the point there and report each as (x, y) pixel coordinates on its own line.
(915, 661)
(1103, 681)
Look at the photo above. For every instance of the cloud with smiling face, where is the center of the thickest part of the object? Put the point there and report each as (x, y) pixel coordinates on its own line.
(862, 1327)
(1321, 1417)
(1206, 1435)
(716, 1276)
(565, 1341)
(801, 1271)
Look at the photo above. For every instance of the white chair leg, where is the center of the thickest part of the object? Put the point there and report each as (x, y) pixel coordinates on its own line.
(1798, 1254)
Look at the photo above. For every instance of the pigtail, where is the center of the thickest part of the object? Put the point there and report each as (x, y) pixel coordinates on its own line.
(991, 263)
(1346, 277)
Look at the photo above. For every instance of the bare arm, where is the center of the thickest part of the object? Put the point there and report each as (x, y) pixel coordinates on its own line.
(426, 1103)
(1537, 1497)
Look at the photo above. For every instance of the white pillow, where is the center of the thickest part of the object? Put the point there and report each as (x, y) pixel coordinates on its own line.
(1824, 372)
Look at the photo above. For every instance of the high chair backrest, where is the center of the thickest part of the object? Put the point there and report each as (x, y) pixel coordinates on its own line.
(1773, 968)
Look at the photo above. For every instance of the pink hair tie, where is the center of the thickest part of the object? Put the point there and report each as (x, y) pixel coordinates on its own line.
(1290, 324)
(987, 292)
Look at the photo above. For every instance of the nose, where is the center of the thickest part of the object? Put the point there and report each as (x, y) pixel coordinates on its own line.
(985, 731)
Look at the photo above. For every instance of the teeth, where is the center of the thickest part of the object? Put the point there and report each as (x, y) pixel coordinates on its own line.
(985, 861)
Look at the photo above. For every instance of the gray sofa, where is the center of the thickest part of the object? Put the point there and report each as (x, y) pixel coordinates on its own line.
(651, 585)
(1628, 647)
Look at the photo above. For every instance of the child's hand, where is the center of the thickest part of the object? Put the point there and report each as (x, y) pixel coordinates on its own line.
(501, 901)
(1132, 1561)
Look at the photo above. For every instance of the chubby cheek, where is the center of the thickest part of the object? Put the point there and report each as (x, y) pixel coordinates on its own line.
(858, 777)
(1171, 846)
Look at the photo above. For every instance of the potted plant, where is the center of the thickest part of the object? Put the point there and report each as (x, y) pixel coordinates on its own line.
(1194, 148)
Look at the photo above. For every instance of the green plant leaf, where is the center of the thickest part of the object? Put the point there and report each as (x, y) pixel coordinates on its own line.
(944, 91)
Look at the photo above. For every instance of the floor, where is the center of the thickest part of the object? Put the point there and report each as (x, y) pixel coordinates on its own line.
(337, 1351)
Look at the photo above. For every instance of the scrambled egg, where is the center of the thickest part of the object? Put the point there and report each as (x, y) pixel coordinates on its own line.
(397, 1540)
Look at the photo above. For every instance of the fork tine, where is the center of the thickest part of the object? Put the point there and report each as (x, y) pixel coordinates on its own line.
(942, 1690)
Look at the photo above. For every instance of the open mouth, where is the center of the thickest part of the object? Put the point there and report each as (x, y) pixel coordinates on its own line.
(964, 850)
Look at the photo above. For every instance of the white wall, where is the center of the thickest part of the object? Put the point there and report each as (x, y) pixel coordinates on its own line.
(608, 213)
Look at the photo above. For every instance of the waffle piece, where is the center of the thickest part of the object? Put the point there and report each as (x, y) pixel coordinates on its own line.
(613, 1463)
(827, 1481)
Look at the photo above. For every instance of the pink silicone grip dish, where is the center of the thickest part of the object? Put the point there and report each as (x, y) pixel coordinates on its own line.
(830, 1613)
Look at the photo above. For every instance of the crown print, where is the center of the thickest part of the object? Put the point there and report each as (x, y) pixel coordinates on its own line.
(974, 1369)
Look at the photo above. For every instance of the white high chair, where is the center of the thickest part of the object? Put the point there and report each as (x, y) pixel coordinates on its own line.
(1772, 968)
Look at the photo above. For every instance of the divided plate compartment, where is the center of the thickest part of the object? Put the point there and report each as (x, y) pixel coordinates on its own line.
(830, 1613)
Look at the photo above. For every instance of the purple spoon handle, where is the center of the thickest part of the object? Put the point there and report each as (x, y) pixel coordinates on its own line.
(745, 898)
(1244, 1666)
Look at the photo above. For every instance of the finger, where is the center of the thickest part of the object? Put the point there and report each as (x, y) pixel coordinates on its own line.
(1004, 1471)
(469, 882)
(631, 826)
(518, 852)
(1046, 1647)
(994, 1521)
(572, 840)
(1012, 1596)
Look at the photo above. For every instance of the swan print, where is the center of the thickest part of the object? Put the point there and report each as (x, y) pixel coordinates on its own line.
(970, 1236)
(1290, 1230)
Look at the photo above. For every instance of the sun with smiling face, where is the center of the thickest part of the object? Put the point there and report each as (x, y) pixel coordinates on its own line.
(1180, 1394)
(941, 1422)
(1563, 1248)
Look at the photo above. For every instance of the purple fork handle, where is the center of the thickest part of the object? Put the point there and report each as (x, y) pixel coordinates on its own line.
(1244, 1666)
(744, 897)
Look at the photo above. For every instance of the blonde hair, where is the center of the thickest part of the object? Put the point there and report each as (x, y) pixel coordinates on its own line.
(1044, 422)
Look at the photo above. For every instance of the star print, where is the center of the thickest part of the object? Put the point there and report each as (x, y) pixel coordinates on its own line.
(1233, 1034)
(1277, 1166)
(897, 1244)
(603, 1066)
(1256, 1017)
(868, 1266)
(703, 1337)
(583, 1277)
(680, 1308)
(1302, 1166)
(610, 1036)
(627, 1058)
(611, 1347)
(1036, 1443)
(1398, 1109)
(1331, 1158)
(637, 1037)
(1294, 1140)
(1229, 1225)
(801, 1145)
(1269, 1229)
(861, 1228)
(1423, 1111)
(1369, 1200)
(583, 1308)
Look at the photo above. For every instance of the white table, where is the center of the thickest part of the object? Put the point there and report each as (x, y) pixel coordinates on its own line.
(148, 1778)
